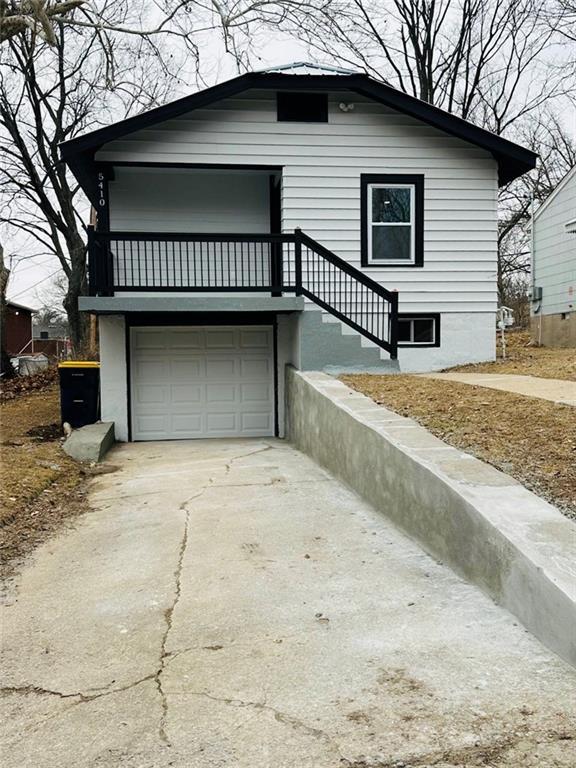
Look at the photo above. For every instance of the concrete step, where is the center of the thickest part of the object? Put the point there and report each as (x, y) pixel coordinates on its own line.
(347, 330)
(347, 350)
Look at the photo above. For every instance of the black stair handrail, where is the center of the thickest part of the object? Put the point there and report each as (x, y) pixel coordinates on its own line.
(367, 319)
(348, 268)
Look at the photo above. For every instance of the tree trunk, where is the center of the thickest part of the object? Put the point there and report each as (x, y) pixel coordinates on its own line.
(6, 367)
(77, 320)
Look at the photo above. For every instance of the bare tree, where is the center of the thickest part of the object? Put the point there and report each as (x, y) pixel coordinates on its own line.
(547, 135)
(474, 58)
(50, 295)
(49, 93)
(562, 15)
(184, 19)
(70, 66)
(38, 16)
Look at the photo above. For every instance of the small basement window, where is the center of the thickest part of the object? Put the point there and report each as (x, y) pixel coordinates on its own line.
(419, 330)
(302, 107)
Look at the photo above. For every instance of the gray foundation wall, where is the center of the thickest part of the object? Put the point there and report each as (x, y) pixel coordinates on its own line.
(554, 330)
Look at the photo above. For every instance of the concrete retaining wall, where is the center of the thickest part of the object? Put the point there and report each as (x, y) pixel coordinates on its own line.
(489, 528)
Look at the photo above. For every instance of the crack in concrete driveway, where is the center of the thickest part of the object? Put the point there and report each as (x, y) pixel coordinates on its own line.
(228, 603)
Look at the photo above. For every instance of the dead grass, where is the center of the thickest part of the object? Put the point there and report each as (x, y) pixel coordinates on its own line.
(40, 486)
(523, 357)
(532, 440)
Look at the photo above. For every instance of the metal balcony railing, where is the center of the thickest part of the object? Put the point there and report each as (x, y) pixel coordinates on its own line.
(270, 263)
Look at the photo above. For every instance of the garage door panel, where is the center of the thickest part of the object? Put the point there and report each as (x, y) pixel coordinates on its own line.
(186, 339)
(255, 393)
(202, 382)
(187, 394)
(221, 368)
(222, 393)
(187, 370)
(256, 422)
(151, 424)
(147, 394)
(255, 368)
(187, 425)
(255, 339)
(148, 339)
(221, 339)
(222, 423)
(150, 370)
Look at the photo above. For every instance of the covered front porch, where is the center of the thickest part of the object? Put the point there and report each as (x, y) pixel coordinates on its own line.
(217, 246)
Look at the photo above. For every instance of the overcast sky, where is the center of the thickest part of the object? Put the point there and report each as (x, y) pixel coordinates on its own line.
(31, 278)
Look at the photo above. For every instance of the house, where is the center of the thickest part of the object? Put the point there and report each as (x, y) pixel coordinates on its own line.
(51, 338)
(18, 328)
(299, 215)
(553, 295)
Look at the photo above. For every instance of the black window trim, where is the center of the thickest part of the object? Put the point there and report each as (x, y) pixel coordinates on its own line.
(415, 179)
(435, 316)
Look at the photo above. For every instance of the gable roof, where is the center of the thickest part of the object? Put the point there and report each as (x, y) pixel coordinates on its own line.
(558, 188)
(20, 306)
(513, 160)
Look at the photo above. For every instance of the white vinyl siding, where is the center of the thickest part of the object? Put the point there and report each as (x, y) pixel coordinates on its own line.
(322, 164)
(186, 200)
(555, 251)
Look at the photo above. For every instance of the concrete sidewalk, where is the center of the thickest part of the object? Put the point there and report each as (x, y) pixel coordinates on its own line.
(228, 604)
(556, 390)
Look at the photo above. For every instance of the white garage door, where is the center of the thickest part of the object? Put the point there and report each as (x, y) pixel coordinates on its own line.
(215, 381)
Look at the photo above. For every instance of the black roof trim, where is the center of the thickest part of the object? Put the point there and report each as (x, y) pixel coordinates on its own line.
(513, 159)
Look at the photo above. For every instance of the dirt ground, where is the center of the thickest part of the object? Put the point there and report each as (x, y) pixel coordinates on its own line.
(40, 486)
(523, 357)
(532, 440)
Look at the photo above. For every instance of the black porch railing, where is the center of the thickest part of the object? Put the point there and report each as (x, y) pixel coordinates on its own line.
(271, 263)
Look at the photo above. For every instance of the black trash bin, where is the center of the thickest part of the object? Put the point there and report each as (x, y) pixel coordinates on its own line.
(79, 392)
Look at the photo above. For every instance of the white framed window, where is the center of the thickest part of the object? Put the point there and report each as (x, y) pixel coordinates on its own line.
(419, 330)
(392, 220)
(391, 236)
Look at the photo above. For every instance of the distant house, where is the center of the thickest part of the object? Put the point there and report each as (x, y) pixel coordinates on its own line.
(553, 310)
(50, 338)
(18, 328)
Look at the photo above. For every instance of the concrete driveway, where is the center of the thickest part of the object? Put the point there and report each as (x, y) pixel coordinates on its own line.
(228, 603)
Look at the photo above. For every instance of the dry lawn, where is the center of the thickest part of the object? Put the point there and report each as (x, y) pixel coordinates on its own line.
(532, 440)
(40, 486)
(522, 357)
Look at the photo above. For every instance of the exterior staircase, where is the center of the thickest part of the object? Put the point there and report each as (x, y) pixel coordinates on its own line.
(348, 350)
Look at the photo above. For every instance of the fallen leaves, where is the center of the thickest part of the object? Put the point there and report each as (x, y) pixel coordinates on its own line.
(40, 486)
(11, 389)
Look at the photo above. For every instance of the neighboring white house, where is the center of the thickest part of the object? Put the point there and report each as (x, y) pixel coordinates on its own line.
(553, 309)
(300, 215)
